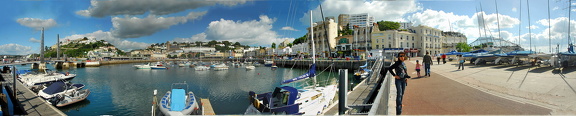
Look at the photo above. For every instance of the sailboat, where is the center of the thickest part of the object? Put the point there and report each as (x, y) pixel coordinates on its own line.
(363, 72)
(287, 100)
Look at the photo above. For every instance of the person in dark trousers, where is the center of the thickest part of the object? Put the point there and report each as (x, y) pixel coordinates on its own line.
(427, 62)
(461, 62)
(444, 58)
(398, 70)
(438, 58)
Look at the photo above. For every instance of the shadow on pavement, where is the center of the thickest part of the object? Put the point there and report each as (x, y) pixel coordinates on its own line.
(541, 69)
(518, 68)
(503, 66)
(567, 70)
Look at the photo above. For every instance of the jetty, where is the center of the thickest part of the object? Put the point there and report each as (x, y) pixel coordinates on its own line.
(28, 103)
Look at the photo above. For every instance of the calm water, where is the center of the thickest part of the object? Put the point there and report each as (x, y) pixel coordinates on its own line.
(123, 90)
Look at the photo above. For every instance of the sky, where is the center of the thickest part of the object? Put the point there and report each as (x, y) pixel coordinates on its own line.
(136, 24)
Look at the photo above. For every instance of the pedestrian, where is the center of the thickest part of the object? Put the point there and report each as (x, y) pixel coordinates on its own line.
(444, 58)
(438, 58)
(418, 65)
(461, 62)
(399, 72)
(427, 62)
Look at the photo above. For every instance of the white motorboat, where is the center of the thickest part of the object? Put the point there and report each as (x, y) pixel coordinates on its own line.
(158, 66)
(143, 66)
(201, 68)
(250, 67)
(31, 79)
(178, 102)
(67, 99)
(59, 88)
(219, 67)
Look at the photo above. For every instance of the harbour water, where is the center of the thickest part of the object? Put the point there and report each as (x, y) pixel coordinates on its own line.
(124, 90)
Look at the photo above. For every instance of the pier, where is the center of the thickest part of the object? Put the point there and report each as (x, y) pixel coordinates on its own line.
(28, 102)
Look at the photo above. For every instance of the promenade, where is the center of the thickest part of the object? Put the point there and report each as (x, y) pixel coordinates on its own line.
(490, 90)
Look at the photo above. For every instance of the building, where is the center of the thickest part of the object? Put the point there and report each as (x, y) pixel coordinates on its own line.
(406, 25)
(451, 39)
(284, 43)
(416, 41)
(199, 49)
(324, 38)
(361, 20)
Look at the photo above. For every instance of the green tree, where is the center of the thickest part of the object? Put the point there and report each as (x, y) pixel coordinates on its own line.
(300, 40)
(237, 44)
(463, 47)
(346, 30)
(213, 42)
(388, 25)
(289, 44)
(226, 43)
(273, 45)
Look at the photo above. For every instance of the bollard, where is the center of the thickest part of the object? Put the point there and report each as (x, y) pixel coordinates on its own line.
(343, 87)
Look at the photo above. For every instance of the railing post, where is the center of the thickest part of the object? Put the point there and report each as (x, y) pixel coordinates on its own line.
(343, 89)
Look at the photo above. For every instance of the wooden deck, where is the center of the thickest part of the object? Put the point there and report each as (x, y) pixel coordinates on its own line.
(32, 104)
(207, 107)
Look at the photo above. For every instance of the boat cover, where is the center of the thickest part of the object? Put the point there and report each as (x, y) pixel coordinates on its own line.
(177, 100)
(55, 87)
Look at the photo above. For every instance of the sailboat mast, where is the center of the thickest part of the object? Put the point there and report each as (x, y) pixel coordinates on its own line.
(313, 45)
(520, 25)
(549, 28)
(529, 29)
(569, 8)
(42, 47)
(498, 20)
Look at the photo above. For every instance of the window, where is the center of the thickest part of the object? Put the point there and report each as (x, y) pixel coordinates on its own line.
(401, 45)
(413, 45)
(389, 45)
(377, 47)
(407, 44)
(412, 38)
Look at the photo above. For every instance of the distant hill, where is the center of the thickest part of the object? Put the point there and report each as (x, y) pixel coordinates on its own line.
(81, 47)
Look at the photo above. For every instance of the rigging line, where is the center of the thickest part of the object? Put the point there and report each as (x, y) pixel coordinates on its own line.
(484, 22)
(325, 31)
(529, 28)
(478, 20)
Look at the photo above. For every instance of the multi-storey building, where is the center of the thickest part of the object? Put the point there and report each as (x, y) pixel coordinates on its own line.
(325, 33)
(406, 25)
(451, 39)
(417, 40)
(361, 20)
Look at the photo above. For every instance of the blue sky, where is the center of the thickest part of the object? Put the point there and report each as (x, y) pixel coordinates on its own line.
(135, 24)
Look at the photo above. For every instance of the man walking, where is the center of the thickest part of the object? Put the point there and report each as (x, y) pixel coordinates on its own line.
(444, 58)
(427, 62)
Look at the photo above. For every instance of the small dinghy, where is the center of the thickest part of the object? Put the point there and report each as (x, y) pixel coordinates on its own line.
(177, 102)
(67, 99)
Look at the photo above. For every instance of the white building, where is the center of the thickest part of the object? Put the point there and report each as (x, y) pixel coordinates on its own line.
(198, 49)
(416, 41)
(301, 48)
(361, 20)
(406, 25)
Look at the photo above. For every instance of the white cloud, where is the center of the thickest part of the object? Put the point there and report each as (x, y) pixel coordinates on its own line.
(197, 37)
(36, 23)
(15, 49)
(133, 27)
(542, 40)
(380, 10)
(289, 28)
(532, 27)
(34, 40)
(253, 32)
(101, 8)
(108, 36)
(514, 9)
(556, 8)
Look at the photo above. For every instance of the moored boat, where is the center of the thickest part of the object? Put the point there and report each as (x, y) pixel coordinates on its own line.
(178, 102)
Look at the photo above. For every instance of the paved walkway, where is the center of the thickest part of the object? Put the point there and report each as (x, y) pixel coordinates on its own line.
(492, 90)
